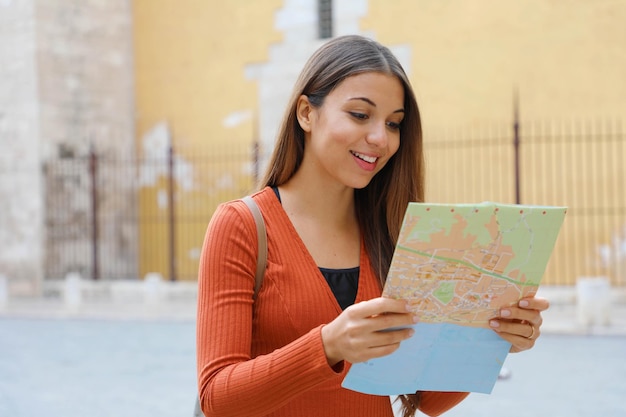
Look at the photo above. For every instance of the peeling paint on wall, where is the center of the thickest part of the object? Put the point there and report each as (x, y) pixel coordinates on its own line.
(237, 118)
(297, 19)
(156, 144)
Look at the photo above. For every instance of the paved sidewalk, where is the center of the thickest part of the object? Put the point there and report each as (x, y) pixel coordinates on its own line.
(128, 355)
(563, 320)
(563, 317)
(55, 308)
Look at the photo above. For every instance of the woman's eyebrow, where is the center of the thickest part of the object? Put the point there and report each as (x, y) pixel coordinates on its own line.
(370, 102)
(365, 99)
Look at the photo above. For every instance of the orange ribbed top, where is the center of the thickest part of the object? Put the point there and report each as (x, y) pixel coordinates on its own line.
(266, 358)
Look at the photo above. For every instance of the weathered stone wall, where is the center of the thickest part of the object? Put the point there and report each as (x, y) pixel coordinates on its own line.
(21, 225)
(66, 85)
(84, 62)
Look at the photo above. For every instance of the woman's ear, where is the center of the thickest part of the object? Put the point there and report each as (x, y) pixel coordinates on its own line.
(303, 113)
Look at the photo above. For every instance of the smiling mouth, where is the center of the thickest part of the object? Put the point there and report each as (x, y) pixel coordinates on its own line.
(368, 159)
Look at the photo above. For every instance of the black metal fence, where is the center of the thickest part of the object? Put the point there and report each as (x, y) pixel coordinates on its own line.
(578, 165)
(116, 218)
(111, 218)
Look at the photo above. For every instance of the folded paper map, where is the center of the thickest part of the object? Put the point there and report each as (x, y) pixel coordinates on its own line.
(458, 265)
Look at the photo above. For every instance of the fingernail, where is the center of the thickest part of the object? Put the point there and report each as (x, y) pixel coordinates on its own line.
(416, 319)
(494, 323)
(505, 313)
(524, 303)
(411, 332)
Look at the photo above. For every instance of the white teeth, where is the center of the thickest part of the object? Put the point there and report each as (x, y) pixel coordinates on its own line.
(370, 159)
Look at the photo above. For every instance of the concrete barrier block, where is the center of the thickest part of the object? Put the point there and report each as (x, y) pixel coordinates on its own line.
(593, 300)
(153, 288)
(4, 291)
(72, 290)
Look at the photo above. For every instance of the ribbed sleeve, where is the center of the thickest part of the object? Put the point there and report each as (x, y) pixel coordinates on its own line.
(437, 403)
(266, 358)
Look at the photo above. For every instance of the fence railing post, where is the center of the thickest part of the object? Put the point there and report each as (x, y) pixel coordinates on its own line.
(516, 146)
(171, 213)
(93, 175)
(256, 151)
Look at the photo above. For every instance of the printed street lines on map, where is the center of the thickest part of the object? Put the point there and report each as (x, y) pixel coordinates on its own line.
(461, 264)
(456, 265)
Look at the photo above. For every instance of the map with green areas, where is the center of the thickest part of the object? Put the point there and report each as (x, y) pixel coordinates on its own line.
(460, 263)
(457, 265)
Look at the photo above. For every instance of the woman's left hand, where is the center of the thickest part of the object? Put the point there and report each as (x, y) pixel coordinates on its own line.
(520, 324)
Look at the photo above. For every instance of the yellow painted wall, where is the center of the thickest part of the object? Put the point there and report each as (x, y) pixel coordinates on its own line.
(190, 58)
(567, 61)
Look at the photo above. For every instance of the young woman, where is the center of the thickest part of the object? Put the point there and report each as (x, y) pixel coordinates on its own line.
(347, 162)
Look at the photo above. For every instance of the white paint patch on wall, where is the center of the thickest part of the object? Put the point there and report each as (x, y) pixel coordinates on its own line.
(275, 78)
(156, 142)
(403, 53)
(237, 118)
(162, 199)
(225, 182)
(154, 164)
(346, 16)
(298, 21)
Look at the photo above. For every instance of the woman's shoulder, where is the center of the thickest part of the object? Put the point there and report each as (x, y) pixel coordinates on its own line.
(267, 201)
(264, 196)
(237, 211)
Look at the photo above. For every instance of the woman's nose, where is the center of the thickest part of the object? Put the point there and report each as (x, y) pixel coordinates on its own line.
(378, 135)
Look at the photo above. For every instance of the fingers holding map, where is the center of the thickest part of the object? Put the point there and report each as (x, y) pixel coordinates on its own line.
(461, 263)
(458, 265)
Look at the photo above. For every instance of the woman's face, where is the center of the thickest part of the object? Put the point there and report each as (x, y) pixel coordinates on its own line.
(356, 131)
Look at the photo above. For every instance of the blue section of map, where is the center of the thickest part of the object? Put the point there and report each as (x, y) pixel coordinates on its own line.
(438, 357)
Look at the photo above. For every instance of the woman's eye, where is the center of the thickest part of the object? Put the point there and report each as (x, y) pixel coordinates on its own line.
(359, 116)
(393, 125)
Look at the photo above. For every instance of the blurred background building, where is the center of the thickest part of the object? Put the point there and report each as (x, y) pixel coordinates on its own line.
(123, 124)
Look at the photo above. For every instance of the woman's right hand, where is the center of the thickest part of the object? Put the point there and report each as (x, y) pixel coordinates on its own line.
(361, 332)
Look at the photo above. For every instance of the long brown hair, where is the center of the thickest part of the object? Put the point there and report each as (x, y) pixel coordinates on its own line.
(380, 206)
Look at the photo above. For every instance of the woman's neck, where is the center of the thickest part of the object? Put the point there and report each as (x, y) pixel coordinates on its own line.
(331, 205)
(326, 222)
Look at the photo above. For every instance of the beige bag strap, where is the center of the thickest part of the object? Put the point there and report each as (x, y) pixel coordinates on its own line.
(261, 262)
(261, 235)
